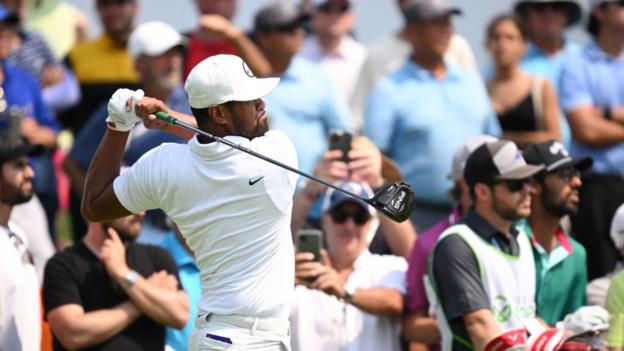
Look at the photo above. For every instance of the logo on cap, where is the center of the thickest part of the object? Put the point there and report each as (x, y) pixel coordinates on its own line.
(557, 148)
(248, 71)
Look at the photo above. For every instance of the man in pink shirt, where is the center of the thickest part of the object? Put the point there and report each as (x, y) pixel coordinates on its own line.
(418, 325)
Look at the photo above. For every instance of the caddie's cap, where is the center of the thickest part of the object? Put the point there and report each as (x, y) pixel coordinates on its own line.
(12, 146)
(334, 198)
(553, 155)
(496, 161)
(461, 155)
(416, 11)
(222, 78)
(573, 8)
(153, 38)
(279, 14)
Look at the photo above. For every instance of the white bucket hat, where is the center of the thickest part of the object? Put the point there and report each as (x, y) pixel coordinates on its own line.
(222, 78)
(153, 38)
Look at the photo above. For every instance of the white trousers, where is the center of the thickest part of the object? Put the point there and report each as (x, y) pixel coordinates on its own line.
(231, 332)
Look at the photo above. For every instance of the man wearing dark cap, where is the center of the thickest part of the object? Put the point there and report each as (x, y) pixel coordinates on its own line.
(560, 261)
(20, 310)
(482, 275)
(304, 105)
(429, 106)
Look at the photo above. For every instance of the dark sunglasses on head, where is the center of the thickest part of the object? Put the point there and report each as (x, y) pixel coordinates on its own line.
(514, 185)
(340, 216)
(567, 174)
(328, 7)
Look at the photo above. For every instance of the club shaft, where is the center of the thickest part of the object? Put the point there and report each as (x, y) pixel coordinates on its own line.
(172, 120)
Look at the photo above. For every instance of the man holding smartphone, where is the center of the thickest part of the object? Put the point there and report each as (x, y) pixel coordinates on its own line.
(352, 298)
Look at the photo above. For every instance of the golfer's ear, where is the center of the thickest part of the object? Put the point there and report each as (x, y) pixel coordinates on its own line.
(218, 114)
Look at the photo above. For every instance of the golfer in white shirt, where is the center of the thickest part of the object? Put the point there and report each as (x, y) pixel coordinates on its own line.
(233, 209)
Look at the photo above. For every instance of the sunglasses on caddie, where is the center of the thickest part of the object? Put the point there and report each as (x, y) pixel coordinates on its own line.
(514, 185)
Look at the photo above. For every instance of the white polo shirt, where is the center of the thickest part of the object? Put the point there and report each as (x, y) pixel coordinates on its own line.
(321, 322)
(20, 303)
(234, 212)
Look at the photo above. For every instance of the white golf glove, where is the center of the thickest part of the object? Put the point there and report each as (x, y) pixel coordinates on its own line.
(119, 118)
(585, 319)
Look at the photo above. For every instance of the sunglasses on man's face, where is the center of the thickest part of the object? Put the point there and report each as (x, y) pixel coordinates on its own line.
(514, 185)
(340, 216)
(567, 174)
(328, 7)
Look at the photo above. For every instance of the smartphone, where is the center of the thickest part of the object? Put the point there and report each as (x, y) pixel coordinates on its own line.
(341, 140)
(310, 240)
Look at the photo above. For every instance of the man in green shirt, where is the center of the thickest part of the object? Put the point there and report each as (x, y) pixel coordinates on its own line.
(560, 261)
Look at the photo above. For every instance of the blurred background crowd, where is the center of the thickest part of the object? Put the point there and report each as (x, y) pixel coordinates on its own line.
(545, 74)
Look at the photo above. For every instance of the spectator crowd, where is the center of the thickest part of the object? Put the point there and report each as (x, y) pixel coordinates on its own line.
(516, 238)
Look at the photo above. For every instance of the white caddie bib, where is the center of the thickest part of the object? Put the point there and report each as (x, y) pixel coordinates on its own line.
(509, 282)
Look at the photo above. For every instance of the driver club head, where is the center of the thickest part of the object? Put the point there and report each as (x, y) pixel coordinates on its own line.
(395, 200)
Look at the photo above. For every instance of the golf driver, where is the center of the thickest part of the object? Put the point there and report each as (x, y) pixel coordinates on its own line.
(395, 200)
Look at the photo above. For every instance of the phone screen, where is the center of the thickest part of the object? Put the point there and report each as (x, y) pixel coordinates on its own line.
(310, 240)
(341, 140)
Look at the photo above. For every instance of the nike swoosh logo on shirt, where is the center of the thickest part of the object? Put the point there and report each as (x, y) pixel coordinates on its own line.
(254, 181)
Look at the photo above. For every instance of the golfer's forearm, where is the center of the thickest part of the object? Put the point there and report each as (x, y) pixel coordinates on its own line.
(179, 131)
(103, 170)
(167, 307)
(379, 301)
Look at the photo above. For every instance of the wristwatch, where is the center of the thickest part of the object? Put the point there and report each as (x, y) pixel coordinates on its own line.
(131, 278)
(348, 297)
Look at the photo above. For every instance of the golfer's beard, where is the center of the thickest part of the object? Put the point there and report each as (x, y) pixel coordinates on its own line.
(557, 209)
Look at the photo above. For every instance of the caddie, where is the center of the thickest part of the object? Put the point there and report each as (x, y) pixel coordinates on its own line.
(482, 274)
(233, 209)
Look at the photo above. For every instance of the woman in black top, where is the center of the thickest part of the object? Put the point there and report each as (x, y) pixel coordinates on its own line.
(526, 106)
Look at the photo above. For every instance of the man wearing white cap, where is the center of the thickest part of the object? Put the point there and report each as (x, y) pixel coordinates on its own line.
(155, 48)
(233, 209)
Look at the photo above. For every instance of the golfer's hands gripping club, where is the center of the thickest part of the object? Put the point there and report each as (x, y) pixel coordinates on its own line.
(121, 112)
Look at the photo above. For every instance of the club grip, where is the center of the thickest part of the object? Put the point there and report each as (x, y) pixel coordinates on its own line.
(165, 117)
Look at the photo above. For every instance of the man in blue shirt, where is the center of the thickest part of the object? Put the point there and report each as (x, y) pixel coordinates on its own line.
(548, 48)
(592, 83)
(304, 105)
(23, 109)
(423, 112)
(188, 271)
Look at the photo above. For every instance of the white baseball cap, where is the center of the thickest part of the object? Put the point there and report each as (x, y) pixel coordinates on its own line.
(222, 78)
(153, 38)
(461, 155)
(617, 228)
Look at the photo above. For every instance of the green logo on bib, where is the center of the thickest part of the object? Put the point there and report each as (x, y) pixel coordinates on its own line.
(501, 309)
